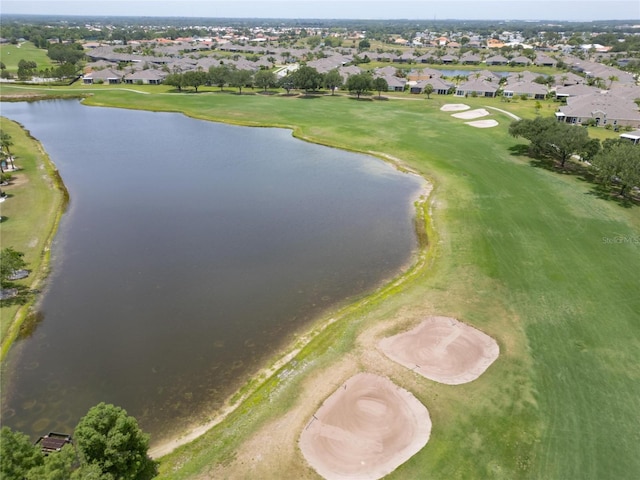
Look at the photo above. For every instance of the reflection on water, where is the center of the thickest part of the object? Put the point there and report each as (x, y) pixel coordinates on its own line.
(190, 253)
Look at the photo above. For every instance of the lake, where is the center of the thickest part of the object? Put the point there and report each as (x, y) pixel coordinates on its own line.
(191, 253)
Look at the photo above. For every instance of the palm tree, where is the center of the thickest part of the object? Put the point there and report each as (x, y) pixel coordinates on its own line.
(612, 79)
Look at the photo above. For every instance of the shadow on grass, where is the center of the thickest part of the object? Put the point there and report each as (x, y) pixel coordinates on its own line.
(582, 172)
(14, 294)
(361, 99)
(612, 194)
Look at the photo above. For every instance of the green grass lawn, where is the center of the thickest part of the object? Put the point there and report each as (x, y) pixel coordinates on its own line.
(531, 256)
(11, 55)
(29, 216)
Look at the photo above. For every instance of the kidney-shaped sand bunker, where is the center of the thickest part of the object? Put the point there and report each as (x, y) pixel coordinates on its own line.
(443, 349)
(365, 430)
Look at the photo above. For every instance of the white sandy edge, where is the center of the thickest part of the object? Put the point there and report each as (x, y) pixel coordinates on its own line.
(168, 446)
(483, 123)
(471, 114)
(454, 107)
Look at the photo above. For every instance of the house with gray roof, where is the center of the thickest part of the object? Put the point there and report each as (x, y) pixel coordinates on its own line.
(520, 61)
(103, 76)
(147, 77)
(440, 86)
(396, 84)
(545, 61)
(479, 88)
(529, 89)
(569, 78)
(497, 60)
(575, 91)
(603, 108)
(349, 70)
(470, 59)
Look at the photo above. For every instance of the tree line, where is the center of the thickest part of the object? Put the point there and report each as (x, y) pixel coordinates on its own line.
(305, 78)
(107, 444)
(614, 163)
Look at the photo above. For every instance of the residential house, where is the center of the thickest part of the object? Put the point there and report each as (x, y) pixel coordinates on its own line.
(602, 108)
(448, 59)
(440, 87)
(103, 76)
(520, 61)
(480, 88)
(470, 59)
(384, 71)
(347, 71)
(396, 84)
(148, 77)
(634, 136)
(545, 61)
(497, 60)
(575, 91)
(566, 79)
(529, 89)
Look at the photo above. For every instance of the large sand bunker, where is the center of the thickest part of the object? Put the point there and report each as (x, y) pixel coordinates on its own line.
(483, 123)
(443, 349)
(365, 430)
(454, 107)
(471, 114)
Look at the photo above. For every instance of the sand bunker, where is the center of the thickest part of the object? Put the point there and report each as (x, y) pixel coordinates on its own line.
(365, 430)
(443, 349)
(483, 123)
(471, 114)
(454, 107)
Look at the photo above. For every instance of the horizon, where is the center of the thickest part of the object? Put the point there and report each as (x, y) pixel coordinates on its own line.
(438, 10)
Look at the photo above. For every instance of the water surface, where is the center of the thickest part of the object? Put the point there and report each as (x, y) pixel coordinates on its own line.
(191, 252)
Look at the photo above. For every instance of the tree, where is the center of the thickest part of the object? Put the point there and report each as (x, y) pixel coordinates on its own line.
(618, 162)
(307, 78)
(57, 466)
(65, 70)
(107, 437)
(265, 79)
(18, 454)
(612, 78)
(65, 52)
(379, 85)
(551, 138)
(287, 82)
(333, 80)
(26, 69)
(240, 78)
(175, 80)
(194, 78)
(6, 141)
(364, 45)
(219, 75)
(10, 262)
(428, 90)
(359, 83)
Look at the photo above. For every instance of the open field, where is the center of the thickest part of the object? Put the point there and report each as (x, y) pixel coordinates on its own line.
(29, 216)
(10, 55)
(529, 256)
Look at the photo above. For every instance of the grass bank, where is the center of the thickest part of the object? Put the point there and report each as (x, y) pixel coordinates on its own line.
(30, 216)
(533, 257)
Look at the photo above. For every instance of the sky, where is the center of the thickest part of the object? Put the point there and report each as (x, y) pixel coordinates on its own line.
(575, 10)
